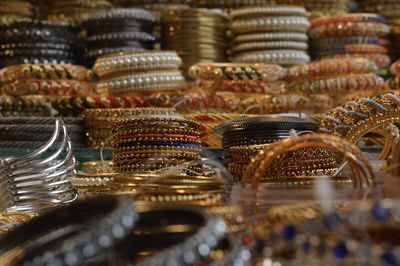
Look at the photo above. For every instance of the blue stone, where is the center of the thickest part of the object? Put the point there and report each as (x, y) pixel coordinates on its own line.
(380, 213)
(389, 258)
(340, 251)
(289, 232)
(306, 246)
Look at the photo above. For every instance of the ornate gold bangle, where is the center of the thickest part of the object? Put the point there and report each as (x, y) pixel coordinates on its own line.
(356, 118)
(45, 71)
(232, 71)
(362, 171)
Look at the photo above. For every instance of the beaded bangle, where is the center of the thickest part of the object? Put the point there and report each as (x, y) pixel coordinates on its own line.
(271, 36)
(381, 60)
(230, 71)
(355, 17)
(280, 57)
(282, 23)
(330, 67)
(126, 62)
(337, 86)
(268, 11)
(152, 81)
(395, 68)
(48, 87)
(126, 112)
(369, 29)
(243, 47)
(45, 71)
(94, 167)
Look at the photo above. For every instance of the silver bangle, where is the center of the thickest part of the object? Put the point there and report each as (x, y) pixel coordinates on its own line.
(280, 57)
(243, 47)
(269, 11)
(115, 63)
(271, 36)
(296, 24)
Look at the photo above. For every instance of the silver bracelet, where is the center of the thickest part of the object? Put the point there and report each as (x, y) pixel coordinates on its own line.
(121, 13)
(280, 57)
(271, 36)
(295, 24)
(111, 64)
(243, 47)
(269, 11)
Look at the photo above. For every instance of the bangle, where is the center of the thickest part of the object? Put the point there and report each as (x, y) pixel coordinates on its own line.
(271, 36)
(45, 71)
(279, 57)
(381, 60)
(336, 86)
(280, 10)
(108, 213)
(127, 62)
(395, 68)
(289, 23)
(251, 46)
(125, 112)
(361, 168)
(360, 17)
(350, 48)
(330, 67)
(48, 87)
(332, 42)
(142, 82)
(231, 71)
(95, 167)
(349, 29)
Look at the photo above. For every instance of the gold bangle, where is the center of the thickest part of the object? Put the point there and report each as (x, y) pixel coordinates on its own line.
(362, 171)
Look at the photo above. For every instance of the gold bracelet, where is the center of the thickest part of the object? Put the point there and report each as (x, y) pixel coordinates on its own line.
(362, 171)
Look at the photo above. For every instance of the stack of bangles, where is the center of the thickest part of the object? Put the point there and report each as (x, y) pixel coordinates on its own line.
(99, 122)
(351, 35)
(24, 106)
(154, 142)
(335, 77)
(46, 79)
(274, 34)
(169, 188)
(139, 73)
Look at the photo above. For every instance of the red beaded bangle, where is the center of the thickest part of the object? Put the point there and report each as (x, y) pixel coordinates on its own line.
(356, 17)
(348, 29)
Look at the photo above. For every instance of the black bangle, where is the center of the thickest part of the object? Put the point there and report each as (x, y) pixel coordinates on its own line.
(72, 234)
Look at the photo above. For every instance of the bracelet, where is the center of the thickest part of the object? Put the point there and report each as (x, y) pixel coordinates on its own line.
(395, 68)
(108, 212)
(271, 36)
(48, 87)
(336, 86)
(381, 60)
(120, 13)
(124, 112)
(230, 71)
(91, 181)
(268, 11)
(349, 29)
(280, 57)
(126, 62)
(330, 67)
(243, 47)
(350, 48)
(361, 168)
(290, 23)
(244, 86)
(348, 40)
(360, 17)
(45, 71)
(95, 167)
(170, 80)
(95, 53)
(357, 118)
